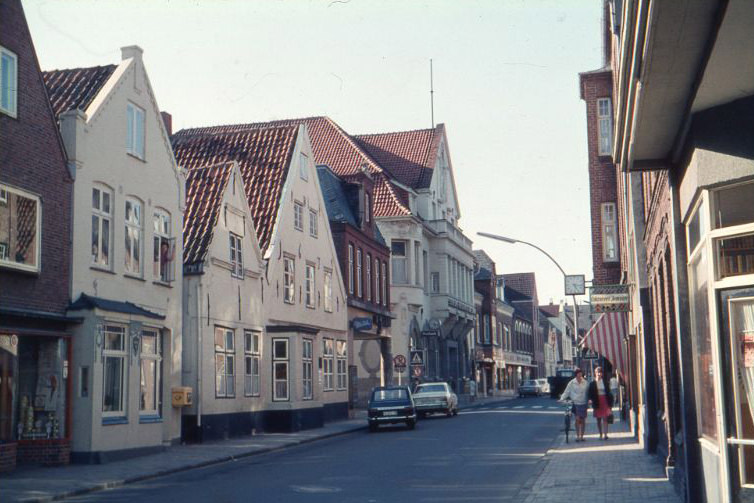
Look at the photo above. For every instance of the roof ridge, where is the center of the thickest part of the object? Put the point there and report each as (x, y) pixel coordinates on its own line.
(78, 69)
(214, 130)
(399, 132)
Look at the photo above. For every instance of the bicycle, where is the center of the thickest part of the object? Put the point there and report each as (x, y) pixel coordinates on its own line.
(568, 413)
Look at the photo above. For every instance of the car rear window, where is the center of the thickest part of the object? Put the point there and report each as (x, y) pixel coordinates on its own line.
(389, 394)
(430, 388)
(530, 383)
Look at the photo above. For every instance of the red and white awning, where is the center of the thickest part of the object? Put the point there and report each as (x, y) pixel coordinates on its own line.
(606, 338)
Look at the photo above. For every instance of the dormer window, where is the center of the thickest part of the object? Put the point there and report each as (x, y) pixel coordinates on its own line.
(135, 132)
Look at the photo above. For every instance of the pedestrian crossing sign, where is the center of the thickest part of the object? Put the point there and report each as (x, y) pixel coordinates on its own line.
(417, 357)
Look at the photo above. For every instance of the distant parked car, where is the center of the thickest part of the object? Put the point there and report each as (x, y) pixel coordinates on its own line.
(544, 386)
(530, 387)
(435, 397)
(390, 405)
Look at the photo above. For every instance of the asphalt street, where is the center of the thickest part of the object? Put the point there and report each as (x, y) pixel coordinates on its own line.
(484, 454)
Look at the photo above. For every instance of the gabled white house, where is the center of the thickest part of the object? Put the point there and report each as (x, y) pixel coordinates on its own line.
(304, 347)
(128, 214)
(223, 324)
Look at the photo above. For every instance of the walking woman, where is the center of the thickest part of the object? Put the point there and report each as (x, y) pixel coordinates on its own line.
(577, 392)
(602, 401)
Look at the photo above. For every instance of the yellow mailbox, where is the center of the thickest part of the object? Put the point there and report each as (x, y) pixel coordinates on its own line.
(182, 396)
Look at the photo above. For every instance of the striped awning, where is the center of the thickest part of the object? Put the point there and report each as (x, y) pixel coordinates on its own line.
(606, 338)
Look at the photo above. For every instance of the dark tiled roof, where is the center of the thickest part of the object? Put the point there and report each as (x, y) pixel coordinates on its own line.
(552, 310)
(88, 302)
(75, 88)
(205, 187)
(263, 156)
(523, 282)
(409, 156)
(483, 274)
(336, 201)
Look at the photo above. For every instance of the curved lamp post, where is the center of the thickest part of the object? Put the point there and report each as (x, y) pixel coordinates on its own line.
(514, 241)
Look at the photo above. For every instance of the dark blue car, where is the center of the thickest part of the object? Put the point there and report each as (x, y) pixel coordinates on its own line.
(391, 405)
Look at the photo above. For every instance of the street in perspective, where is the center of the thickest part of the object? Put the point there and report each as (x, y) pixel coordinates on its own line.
(239, 262)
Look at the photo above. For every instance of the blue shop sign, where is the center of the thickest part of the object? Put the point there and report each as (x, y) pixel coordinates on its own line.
(361, 324)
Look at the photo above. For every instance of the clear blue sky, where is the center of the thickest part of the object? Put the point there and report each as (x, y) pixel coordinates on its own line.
(505, 78)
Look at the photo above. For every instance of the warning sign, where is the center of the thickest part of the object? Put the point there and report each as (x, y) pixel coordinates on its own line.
(417, 357)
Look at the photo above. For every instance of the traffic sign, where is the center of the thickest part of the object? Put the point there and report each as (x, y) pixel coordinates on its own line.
(399, 362)
(417, 357)
(590, 355)
(417, 370)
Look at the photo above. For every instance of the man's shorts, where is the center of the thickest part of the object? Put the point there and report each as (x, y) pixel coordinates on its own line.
(579, 410)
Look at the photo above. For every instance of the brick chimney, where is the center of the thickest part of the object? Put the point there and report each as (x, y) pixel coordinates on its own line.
(167, 119)
(131, 51)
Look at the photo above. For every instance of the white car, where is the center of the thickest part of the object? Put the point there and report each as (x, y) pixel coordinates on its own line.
(544, 386)
(435, 397)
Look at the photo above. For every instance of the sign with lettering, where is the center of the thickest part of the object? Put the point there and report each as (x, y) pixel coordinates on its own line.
(361, 324)
(610, 298)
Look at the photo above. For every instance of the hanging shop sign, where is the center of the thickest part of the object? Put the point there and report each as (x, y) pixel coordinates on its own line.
(361, 324)
(609, 298)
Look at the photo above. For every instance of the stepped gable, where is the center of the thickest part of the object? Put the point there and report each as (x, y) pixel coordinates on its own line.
(409, 156)
(75, 88)
(205, 187)
(263, 156)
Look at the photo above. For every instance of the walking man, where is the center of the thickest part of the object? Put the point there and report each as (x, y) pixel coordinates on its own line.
(576, 390)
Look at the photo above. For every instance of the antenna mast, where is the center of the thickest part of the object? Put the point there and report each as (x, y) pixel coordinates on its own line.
(431, 94)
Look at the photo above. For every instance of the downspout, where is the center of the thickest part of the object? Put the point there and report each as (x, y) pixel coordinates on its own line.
(199, 359)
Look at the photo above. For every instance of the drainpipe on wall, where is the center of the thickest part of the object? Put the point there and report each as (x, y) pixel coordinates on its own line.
(199, 368)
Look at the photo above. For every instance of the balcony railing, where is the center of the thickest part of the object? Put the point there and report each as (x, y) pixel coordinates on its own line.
(445, 227)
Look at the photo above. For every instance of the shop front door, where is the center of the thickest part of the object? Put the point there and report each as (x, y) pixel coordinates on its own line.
(737, 344)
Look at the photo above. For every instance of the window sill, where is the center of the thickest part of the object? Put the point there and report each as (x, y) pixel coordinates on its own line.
(9, 113)
(149, 419)
(252, 396)
(162, 283)
(137, 278)
(106, 421)
(19, 268)
(228, 397)
(134, 156)
(311, 307)
(281, 399)
(290, 302)
(101, 269)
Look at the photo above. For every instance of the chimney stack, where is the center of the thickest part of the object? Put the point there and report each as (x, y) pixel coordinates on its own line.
(167, 119)
(131, 51)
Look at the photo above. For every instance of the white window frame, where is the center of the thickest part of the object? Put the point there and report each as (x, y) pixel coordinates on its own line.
(10, 91)
(156, 359)
(120, 353)
(384, 283)
(369, 277)
(289, 279)
(236, 255)
(226, 352)
(403, 259)
(310, 287)
(605, 126)
(252, 356)
(303, 167)
(307, 370)
(163, 266)
(135, 130)
(608, 220)
(313, 223)
(359, 290)
(377, 281)
(134, 226)
(5, 260)
(328, 360)
(328, 291)
(341, 369)
(298, 216)
(283, 363)
(435, 280)
(99, 216)
(350, 269)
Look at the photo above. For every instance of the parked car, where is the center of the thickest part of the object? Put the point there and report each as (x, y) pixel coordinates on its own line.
(435, 397)
(391, 405)
(544, 386)
(559, 381)
(530, 387)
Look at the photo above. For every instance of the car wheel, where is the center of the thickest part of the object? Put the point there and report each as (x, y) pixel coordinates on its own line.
(373, 427)
(455, 411)
(411, 424)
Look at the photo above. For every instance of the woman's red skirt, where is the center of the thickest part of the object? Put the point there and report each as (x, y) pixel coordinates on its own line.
(602, 409)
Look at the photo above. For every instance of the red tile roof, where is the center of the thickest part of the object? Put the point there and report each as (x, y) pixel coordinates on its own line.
(205, 187)
(409, 156)
(552, 310)
(522, 282)
(75, 88)
(389, 199)
(263, 156)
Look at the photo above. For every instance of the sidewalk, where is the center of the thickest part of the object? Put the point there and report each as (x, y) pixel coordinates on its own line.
(611, 470)
(39, 484)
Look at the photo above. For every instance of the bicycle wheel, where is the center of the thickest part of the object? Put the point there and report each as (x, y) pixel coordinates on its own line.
(567, 426)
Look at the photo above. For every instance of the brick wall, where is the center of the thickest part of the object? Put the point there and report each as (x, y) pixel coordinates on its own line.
(53, 452)
(32, 159)
(602, 174)
(7, 457)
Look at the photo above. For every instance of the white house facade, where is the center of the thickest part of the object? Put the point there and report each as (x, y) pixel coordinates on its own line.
(126, 235)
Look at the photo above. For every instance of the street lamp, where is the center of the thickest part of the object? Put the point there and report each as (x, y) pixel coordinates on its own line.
(514, 241)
